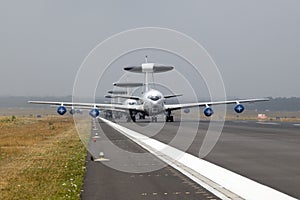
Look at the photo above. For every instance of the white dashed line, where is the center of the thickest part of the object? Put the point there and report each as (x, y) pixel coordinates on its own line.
(240, 121)
(268, 123)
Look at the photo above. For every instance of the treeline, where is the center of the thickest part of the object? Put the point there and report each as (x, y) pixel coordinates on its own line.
(278, 104)
(21, 102)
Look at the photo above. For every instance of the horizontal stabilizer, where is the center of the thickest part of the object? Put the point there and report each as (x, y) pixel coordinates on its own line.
(128, 84)
(117, 92)
(123, 96)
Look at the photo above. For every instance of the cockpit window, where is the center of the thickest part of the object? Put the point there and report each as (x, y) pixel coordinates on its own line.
(154, 97)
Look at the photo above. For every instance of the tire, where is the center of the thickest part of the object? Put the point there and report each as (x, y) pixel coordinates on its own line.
(133, 118)
(171, 119)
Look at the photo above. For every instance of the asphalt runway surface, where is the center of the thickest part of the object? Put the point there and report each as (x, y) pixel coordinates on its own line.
(103, 181)
(266, 152)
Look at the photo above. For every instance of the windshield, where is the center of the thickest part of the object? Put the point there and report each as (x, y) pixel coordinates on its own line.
(154, 97)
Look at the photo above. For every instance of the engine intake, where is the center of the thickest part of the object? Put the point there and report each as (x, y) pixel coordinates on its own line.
(239, 108)
(208, 111)
(72, 111)
(94, 112)
(61, 110)
(186, 110)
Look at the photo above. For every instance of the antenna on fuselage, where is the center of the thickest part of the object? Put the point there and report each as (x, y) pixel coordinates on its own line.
(147, 68)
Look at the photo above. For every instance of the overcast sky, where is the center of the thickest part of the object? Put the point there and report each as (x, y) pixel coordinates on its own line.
(255, 44)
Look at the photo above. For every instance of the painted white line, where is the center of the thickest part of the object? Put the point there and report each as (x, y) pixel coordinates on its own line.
(268, 123)
(240, 121)
(220, 181)
(296, 124)
(141, 139)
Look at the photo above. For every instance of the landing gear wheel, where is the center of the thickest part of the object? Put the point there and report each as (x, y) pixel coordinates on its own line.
(141, 116)
(169, 119)
(154, 119)
(132, 115)
(133, 118)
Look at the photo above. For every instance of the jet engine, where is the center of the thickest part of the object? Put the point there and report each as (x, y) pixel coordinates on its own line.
(186, 110)
(208, 111)
(239, 108)
(94, 112)
(61, 110)
(72, 111)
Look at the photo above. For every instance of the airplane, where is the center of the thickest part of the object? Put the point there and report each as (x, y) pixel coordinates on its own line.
(113, 94)
(151, 102)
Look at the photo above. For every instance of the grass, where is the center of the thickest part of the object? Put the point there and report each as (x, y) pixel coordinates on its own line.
(40, 158)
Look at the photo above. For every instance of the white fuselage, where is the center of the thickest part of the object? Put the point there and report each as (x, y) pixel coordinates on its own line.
(130, 102)
(153, 102)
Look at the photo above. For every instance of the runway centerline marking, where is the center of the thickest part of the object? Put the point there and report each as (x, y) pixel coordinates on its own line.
(268, 123)
(223, 183)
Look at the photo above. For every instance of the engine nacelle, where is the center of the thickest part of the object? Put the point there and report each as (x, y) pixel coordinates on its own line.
(78, 111)
(94, 112)
(186, 110)
(61, 110)
(72, 111)
(239, 108)
(208, 111)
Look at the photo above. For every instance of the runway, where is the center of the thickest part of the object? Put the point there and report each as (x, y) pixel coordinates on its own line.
(268, 153)
(104, 182)
(265, 152)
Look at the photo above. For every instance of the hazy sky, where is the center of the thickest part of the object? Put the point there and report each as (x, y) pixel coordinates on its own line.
(255, 44)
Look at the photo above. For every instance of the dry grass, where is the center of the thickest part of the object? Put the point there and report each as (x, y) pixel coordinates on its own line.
(40, 158)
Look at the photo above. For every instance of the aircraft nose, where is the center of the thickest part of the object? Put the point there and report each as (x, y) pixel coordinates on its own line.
(154, 109)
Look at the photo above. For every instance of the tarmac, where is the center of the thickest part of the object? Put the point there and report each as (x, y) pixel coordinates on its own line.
(104, 182)
(266, 152)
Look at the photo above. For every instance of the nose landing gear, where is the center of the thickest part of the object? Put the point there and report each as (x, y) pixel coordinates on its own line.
(169, 117)
(154, 119)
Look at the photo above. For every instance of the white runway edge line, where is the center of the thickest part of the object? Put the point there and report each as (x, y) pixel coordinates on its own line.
(268, 123)
(218, 180)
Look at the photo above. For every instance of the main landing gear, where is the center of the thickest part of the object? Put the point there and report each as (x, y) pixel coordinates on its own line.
(154, 119)
(141, 115)
(132, 115)
(169, 117)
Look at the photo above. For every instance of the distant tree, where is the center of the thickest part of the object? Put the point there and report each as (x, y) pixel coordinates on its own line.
(13, 118)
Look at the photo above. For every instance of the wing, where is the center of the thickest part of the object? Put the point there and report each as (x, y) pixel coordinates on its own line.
(172, 95)
(91, 105)
(204, 104)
